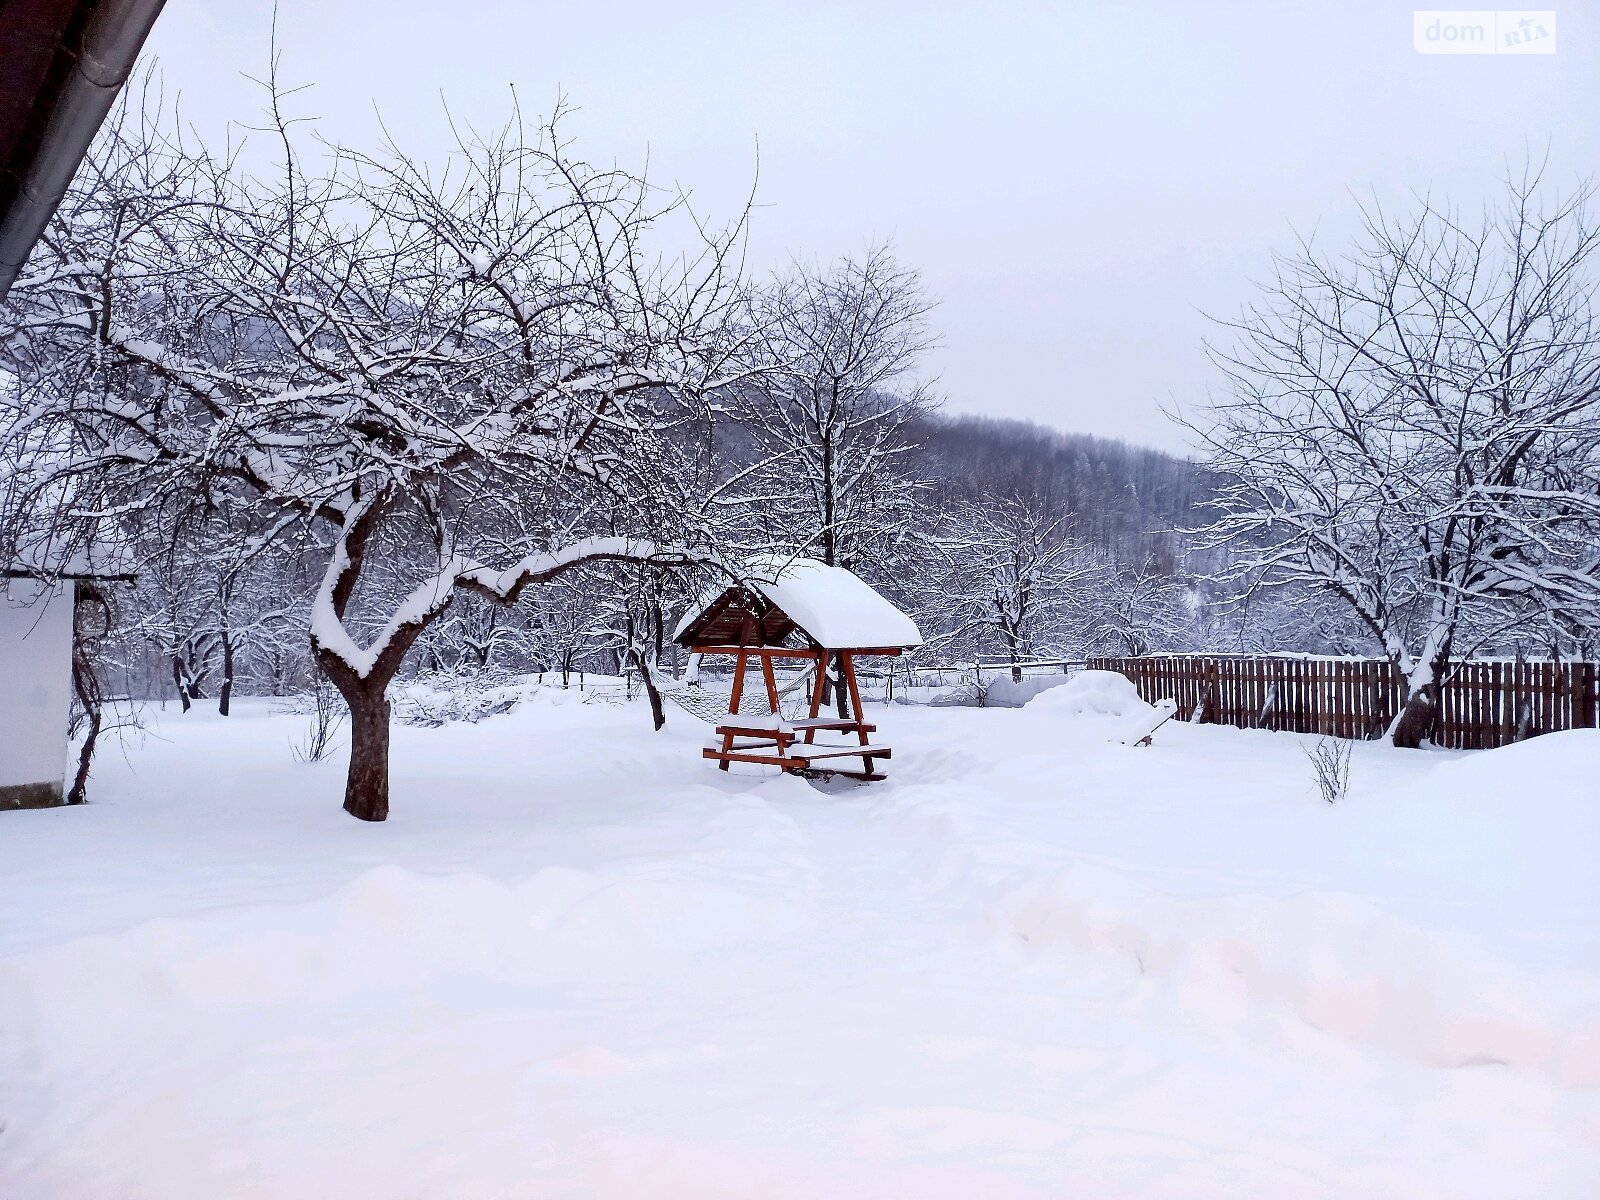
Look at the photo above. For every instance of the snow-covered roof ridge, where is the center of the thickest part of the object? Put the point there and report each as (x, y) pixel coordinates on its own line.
(834, 607)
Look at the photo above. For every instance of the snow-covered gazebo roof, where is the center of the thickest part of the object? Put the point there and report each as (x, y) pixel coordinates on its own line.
(832, 607)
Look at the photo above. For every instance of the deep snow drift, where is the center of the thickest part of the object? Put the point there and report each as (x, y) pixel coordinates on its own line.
(578, 962)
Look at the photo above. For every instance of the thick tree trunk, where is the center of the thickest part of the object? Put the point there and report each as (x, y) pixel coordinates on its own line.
(86, 685)
(178, 673)
(1417, 717)
(366, 788)
(1013, 653)
(195, 669)
(87, 688)
(658, 713)
(1205, 709)
(1419, 712)
(225, 696)
(830, 539)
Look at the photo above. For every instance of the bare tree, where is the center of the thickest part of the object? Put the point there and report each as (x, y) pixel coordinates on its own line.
(215, 595)
(1330, 766)
(637, 604)
(1137, 609)
(1013, 582)
(1409, 428)
(440, 374)
(829, 409)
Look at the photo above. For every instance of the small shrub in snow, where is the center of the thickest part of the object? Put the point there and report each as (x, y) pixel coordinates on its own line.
(446, 698)
(1330, 765)
(327, 712)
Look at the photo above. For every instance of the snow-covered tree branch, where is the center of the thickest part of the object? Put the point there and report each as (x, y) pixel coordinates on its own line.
(1413, 429)
(471, 362)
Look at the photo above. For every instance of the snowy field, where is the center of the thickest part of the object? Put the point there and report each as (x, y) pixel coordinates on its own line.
(579, 962)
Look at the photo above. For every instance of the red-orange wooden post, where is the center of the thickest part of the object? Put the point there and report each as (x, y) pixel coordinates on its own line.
(734, 697)
(847, 667)
(819, 683)
(772, 683)
(847, 680)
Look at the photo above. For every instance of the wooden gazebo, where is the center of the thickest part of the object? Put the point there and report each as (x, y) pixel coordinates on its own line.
(797, 611)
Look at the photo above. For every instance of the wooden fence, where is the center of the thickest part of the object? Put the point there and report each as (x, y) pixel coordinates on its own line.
(1482, 704)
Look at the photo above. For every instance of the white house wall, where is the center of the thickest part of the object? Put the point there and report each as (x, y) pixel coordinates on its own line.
(35, 696)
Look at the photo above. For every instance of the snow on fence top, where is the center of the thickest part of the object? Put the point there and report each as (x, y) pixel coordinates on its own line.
(835, 608)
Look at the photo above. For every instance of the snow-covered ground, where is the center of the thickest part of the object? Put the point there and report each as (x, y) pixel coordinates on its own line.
(579, 962)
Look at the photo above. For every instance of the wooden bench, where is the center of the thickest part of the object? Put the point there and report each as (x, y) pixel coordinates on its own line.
(772, 740)
(802, 750)
(795, 757)
(841, 723)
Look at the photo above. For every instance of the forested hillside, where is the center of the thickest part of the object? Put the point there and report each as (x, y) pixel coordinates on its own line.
(1122, 499)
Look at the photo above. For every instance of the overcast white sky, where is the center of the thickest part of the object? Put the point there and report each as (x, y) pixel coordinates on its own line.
(1076, 182)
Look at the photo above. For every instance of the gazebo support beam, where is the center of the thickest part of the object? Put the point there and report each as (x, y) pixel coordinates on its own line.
(782, 744)
(792, 652)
